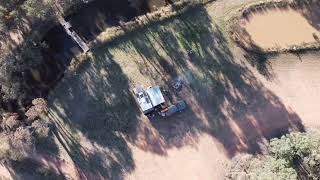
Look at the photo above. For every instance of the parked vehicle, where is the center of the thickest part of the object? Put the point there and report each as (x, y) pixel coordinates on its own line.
(149, 99)
(178, 107)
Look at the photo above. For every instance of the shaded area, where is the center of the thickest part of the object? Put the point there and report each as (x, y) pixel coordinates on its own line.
(260, 60)
(61, 47)
(88, 21)
(98, 15)
(225, 100)
(311, 12)
(103, 112)
(30, 169)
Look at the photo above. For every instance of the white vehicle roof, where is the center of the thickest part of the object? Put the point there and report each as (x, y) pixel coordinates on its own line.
(144, 102)
(155, 95)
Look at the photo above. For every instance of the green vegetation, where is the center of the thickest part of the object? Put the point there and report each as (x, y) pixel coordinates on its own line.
(295, 155)
(25, 19)
(274, 169)
(15, 13)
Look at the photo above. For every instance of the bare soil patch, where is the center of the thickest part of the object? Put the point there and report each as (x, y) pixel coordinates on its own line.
(297, 82)
(281, 27)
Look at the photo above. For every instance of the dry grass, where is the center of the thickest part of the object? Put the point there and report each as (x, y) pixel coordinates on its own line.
(144, 20)
(97, 117)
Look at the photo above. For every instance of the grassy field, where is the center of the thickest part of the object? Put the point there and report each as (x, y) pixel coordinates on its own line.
(98, 120)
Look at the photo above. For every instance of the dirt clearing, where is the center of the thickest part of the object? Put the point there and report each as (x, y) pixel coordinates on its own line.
(297, 82)
(231, 108)
(282, 27)
(185, 163)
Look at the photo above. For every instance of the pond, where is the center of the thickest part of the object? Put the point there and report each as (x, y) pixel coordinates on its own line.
(282, 27)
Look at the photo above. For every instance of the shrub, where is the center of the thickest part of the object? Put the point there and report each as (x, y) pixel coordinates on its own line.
(274, 169)
(41, 129)
(5, 148)
(16, 145)
(291, 156)
(37, 110)
(10, 121)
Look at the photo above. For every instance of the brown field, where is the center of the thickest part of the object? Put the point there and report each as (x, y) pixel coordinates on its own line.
(236, 102)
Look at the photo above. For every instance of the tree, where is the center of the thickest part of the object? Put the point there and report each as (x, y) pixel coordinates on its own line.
(274, 169)
(16, 145)
(38, 110)
(41, 129)
(300, 150)
(38, 8)
(291, 156)
(8, 13)
(10, 121)
(291, 145)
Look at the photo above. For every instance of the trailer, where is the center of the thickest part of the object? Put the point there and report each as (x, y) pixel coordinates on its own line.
(149, 99)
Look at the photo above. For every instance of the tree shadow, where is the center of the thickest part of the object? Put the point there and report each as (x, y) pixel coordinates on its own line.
(224, 97)
(97, 103)
(96, 16)
(97, 117)
(260, 60)
(30, 169)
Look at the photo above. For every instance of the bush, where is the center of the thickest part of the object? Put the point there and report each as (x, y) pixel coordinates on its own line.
(291, 156)
(41, 129)
(37, 110)
(292, 145)
(274, 169)
(10, 121)
(16, 145)
(23, 141)
(5, 148)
